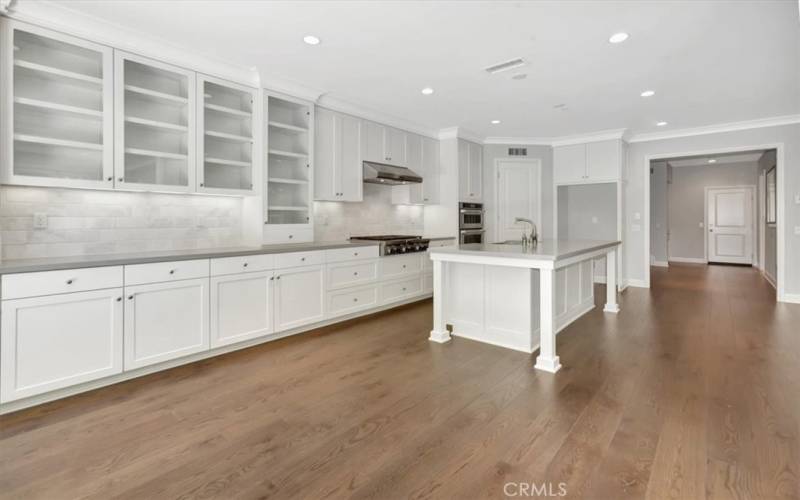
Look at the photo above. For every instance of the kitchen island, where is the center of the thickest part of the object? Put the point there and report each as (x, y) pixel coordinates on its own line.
(518, 297)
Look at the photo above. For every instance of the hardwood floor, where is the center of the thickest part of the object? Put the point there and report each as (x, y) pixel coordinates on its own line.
(692, 391)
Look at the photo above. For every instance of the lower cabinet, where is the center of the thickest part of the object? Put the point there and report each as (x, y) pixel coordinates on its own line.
(56, 341)
(352, 300)
(299, 296)
(403, 289)
(164, 321)
(241, 307)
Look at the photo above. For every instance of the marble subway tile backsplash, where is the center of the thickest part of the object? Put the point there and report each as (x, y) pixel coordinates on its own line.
(336, 221)
(82, 222)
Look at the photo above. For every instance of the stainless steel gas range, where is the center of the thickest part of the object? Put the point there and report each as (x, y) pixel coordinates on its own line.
(397, 244)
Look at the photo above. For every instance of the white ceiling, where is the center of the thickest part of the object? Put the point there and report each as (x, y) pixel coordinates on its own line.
(708, 61)
(721, 159)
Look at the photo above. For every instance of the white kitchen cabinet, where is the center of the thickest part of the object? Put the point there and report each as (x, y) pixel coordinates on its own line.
(413, 155)
(154, 125)
(403, 289)
(430, 171)
(423, 159)
(382, 144)
(165, 321)
(470, 171)
(592, 162)
(227, 130)
(241, 307)
(338, 172)
(352, 300)
(299, 296)
(394, 143)
(56, 109)
(56, 341)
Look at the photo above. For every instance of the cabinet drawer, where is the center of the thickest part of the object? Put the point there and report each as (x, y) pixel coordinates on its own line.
(351, 300)
(296, 259)
(139, 274)
(278, 235)
(343, 274)
(357, 253)
(399, 265)
(401, 289)
(244, 264)
(17, 286)
(427, 283)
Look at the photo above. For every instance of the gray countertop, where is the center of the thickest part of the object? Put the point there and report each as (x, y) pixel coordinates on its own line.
(545, 250)
(83, 261)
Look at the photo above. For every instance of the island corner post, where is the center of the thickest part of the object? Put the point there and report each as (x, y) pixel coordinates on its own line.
(547, 263)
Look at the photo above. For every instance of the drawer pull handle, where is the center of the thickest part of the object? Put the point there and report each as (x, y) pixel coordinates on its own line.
(130, 297)
(70, 281)
(171, 271)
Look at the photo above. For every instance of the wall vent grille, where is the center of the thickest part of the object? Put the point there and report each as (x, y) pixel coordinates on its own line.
(517, 151)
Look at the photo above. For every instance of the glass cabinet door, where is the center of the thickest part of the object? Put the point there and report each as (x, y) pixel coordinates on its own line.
(57, 109)
(155, 125)
(227, 128)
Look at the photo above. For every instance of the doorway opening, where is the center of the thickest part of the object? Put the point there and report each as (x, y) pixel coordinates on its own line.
(715, 208)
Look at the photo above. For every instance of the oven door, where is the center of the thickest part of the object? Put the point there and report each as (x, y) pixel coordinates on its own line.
(470, 218)
(467, 236)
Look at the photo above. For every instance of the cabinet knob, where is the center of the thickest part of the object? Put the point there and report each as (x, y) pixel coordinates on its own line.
(119, 299)
(110, 179)
(271, 278)
(355, 253)
(120, 179)
(355, 300)
(277, 277)
(355, 273)
(201, 184)
(404, 289)
(302, 259)
(291, 236)
(245, 264)
(404, 266)
(70, 281)
(130, 297)
(171, 271)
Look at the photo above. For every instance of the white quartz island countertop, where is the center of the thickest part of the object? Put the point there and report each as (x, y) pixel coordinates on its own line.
(516, 296)
(545, 251)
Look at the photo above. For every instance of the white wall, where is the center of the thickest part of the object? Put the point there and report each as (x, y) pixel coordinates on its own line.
(687, 203)
(658, 211)
(544, 154)
(86, 222)
(638, 175)
(337, 221)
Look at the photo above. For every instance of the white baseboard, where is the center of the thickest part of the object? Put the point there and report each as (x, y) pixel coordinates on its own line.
(688, 260)
(659, 263)
(790, 298)
(637, 283)
(770, 279)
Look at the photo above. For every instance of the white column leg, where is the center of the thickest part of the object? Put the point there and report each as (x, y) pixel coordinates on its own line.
(547, 359)
(611, 283)
(439, 332)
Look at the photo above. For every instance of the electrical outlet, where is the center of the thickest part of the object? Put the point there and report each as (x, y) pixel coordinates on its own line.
(40, 220)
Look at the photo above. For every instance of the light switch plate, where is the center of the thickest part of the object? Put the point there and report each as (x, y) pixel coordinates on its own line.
(40, 220)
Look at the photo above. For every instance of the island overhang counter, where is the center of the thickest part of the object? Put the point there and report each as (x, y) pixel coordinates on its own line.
(518, 296)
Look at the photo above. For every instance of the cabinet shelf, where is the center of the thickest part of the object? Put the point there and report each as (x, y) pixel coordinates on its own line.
(287, 154)
(287, 208)
(286, 126)
(156, 124)
(232, 163)
(175, 99)
(58, 142)
(56, 72)
(227, 110)
(282, 180)
(155, 154)
(230, 137)
(51, 106)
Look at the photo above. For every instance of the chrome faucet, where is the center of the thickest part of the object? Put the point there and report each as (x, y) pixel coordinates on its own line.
(534, 237)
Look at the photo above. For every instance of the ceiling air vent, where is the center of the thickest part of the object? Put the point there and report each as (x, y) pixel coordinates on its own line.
(517, 151)
(505, 66)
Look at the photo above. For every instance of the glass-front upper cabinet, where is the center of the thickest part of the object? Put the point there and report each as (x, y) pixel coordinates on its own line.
(154, 125)
(56, 109)
(227, 132)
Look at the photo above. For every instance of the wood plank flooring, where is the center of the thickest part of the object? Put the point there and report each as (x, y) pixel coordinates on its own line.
(692, 391)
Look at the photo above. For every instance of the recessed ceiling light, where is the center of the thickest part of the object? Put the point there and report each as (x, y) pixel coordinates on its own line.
(311, 40)
(495, 122)
(712, 160)
(648, 93)
(618, 37)
(661, 124)
(427, 91)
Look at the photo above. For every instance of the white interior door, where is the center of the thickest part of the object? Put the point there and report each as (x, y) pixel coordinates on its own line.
(730, 225)
(518, 195)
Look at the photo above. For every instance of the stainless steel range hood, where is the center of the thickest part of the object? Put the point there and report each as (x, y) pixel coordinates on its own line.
(390, 175)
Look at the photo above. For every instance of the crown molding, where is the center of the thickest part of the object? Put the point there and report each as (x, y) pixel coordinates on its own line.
(520, 141)
(347, 107)
(459, 133)
(775, 121)
(57, 16)
(291, 89)
(603, 135)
